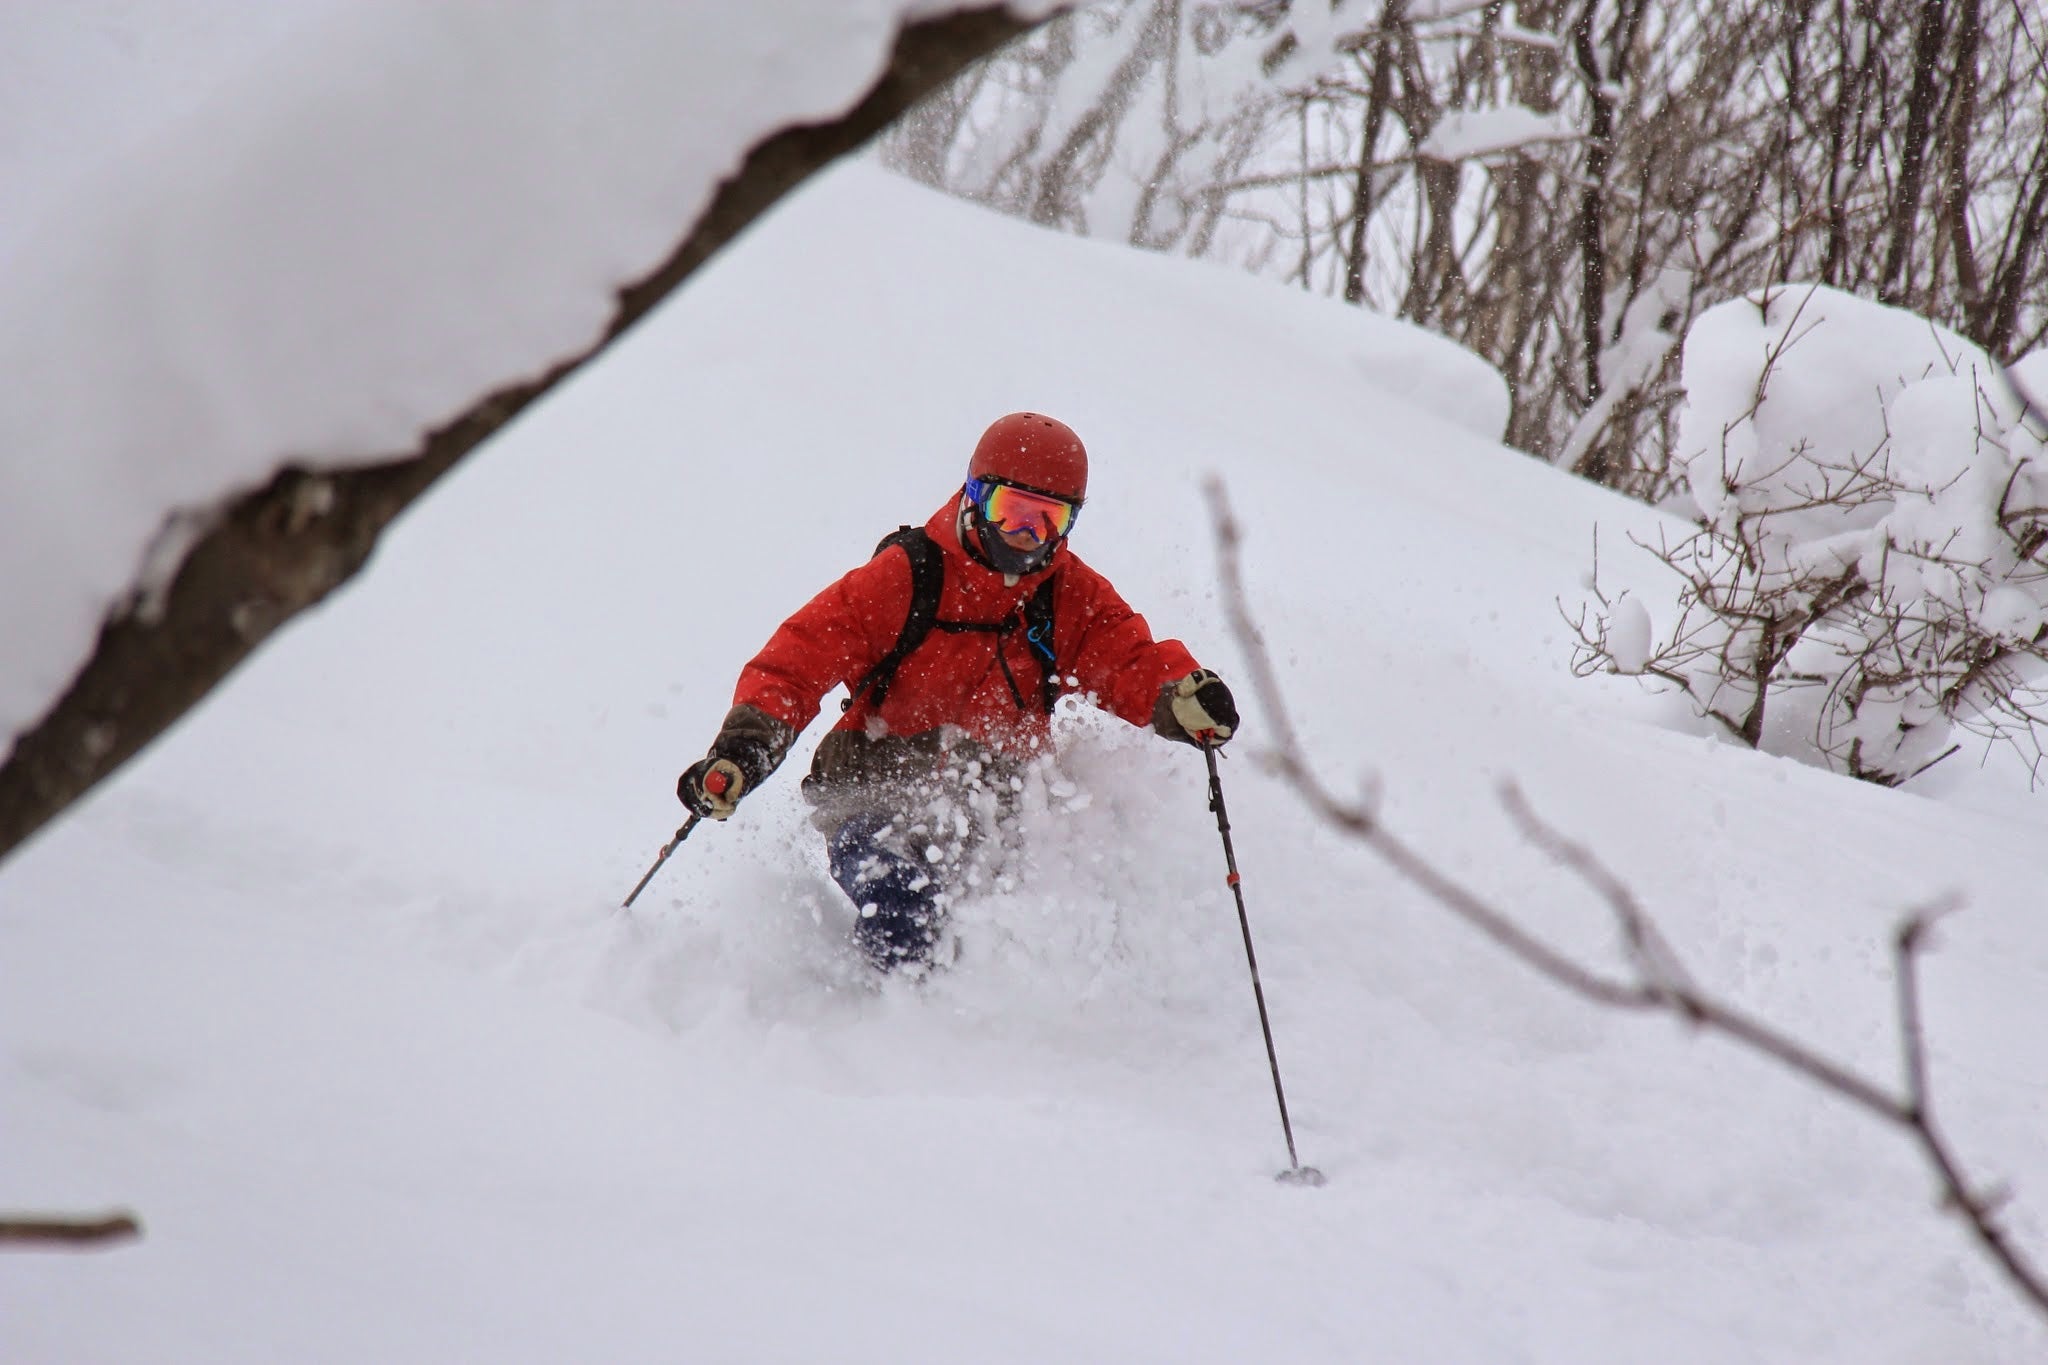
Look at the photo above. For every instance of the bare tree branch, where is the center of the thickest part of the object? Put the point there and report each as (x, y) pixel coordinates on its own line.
(110, 1229)
(1659, 982)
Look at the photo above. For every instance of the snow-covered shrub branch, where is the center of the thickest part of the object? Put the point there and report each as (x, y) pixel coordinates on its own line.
(1655, 980)
(1872, 509)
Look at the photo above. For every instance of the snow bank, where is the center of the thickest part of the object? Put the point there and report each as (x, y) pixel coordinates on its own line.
(1780, 384)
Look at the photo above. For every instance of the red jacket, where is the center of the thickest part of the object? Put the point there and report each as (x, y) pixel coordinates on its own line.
(953, 678)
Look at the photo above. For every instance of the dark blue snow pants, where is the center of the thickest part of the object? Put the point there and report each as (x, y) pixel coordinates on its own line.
(895, 895)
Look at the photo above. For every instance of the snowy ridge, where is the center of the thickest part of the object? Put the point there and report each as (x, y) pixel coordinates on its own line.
(364, 1026)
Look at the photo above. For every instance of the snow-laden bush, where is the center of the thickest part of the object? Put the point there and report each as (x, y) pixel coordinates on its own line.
(1872, 500)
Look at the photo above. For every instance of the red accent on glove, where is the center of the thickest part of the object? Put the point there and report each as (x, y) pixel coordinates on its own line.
(716, 782)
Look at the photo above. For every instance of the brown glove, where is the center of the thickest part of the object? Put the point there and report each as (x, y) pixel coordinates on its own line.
(712, 787)
(749, 746)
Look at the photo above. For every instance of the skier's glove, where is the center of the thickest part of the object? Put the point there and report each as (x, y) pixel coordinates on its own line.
(712, 787)
(1197, 710)
(749, 747)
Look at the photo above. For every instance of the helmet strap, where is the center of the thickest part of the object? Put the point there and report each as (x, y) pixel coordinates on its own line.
(966, 528)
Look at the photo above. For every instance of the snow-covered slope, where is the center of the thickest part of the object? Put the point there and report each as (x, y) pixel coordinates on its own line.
(332, 988)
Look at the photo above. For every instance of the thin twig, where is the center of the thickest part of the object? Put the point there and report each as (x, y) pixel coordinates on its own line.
(49, 1232)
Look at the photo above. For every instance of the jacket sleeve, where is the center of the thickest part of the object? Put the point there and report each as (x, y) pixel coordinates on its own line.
(1112, 654)
(834, 638)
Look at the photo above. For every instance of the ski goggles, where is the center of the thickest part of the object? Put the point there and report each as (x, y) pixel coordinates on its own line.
(1013, 510)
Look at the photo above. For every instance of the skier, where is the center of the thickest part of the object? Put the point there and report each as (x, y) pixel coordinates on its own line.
(954, 642)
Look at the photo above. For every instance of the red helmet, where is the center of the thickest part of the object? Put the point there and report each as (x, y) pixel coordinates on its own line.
(1035, 451)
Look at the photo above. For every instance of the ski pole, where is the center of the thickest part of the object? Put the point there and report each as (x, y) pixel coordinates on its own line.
(1296, 1173)
(666, 849)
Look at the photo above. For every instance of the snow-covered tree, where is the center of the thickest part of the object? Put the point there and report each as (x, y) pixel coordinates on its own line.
(1866, 577)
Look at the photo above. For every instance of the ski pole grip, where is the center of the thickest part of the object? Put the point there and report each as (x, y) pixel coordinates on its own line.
(715, 782)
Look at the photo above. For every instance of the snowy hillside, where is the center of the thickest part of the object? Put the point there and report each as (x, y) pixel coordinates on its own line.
(332, 989)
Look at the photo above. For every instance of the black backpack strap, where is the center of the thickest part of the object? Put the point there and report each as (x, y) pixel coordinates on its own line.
(1036, 619)
(1038, 630)
(927, 581)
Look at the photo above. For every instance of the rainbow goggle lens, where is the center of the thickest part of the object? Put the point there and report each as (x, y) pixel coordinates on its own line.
(1013, 510)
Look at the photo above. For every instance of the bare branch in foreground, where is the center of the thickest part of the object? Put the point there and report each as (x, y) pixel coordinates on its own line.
(68, 1232)
(1659, 983)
